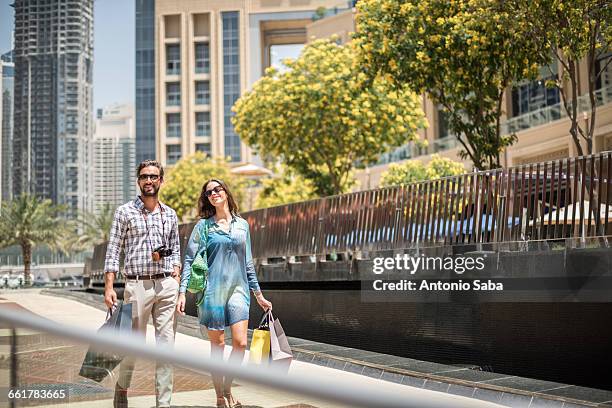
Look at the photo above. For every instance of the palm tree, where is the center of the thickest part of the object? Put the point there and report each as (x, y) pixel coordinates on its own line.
(94, 228)
(28, 221)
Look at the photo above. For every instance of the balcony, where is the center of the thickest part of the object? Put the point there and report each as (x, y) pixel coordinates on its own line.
(513, 125)
(554, 112)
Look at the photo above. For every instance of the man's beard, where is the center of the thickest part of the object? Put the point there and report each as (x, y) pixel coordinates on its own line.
(152, 192)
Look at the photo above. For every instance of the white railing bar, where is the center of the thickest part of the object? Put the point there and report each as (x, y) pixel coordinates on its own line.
(331, 389)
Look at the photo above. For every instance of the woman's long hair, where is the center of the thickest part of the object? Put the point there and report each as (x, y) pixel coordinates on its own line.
(206, 209)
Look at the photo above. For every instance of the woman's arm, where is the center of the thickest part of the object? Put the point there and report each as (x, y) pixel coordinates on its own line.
(250, 267)
(252, 276)
(190, 254)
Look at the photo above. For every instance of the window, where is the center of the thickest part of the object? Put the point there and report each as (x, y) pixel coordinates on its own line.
(202, 58)
(173, 59)
(528, 96)
(443, 122)
(173, 94)
(203, 124)
(203, 147)
(173, 154)
(173, 125)
(604, 65)
(231, 80)
(202, 93)
(533, 96)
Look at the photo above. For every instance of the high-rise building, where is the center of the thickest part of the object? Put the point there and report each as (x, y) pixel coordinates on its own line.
(53, 125)
(114, 156)
(7, 73)
(145, 80)
(207, 53)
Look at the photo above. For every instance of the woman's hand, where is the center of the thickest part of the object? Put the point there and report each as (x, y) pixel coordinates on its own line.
(180, 304)
(263, 302)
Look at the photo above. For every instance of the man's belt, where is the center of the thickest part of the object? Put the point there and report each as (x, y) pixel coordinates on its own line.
(148, 277)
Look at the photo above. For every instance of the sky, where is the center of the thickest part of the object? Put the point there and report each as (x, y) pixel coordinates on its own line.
(279, 52)
(113, 48)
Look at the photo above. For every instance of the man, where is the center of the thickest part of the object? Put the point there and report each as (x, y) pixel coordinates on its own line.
(147, 231)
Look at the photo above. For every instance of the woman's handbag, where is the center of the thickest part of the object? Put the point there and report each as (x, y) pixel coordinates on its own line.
(199, 267)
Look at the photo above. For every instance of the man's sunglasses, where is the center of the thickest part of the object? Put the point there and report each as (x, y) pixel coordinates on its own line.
(217, 190)
(143, 177)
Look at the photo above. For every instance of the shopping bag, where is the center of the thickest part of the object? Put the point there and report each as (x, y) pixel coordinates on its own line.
(280, 351)
(259, 353)
(98, 365)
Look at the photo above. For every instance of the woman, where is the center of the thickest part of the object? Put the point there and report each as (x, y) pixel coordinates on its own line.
(230, 276)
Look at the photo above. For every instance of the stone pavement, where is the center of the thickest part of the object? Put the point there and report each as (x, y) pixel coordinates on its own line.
(47, 360)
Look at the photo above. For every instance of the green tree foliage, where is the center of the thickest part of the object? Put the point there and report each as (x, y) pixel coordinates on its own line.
(570, 31)
(319, 120)
(94, 229)
(414, 170)
(28, 221)
(462, 53)
(183, 183)
(284, 189)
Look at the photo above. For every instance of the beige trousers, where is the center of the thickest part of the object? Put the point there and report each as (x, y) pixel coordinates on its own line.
(155, 298)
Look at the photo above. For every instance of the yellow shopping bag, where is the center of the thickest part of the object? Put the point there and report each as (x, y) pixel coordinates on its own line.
(260, 347)
(259, 353)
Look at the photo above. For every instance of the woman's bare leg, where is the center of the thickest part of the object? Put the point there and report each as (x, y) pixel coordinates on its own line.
(239, 343)
(217, 344)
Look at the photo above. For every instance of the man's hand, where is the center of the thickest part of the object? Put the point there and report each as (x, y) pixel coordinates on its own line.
(176, 274)
(110, 297)
(180, 304)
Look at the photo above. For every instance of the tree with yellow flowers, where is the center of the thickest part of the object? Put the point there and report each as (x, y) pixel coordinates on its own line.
(320, 116)
(462, 53)
(411, 171)
(284, 188)
(570, 31)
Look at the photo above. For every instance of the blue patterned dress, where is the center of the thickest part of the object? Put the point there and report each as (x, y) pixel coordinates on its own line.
(230, 272)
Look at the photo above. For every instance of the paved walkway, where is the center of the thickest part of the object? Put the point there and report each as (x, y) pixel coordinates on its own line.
(45, 360)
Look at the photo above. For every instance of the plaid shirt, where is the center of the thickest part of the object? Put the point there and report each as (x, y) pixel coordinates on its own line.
(139, 237)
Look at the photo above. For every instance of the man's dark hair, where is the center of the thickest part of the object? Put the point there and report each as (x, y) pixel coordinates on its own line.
(147, 163)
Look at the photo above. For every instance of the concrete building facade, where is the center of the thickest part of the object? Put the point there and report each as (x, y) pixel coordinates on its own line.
(207, 54)
(531, 111)
(53, 125)
(7, 75)
(114, 156)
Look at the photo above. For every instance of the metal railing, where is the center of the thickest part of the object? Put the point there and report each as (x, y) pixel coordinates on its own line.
(329, 388)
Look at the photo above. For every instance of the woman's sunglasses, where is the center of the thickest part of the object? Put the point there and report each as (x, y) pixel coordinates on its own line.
(217, 190)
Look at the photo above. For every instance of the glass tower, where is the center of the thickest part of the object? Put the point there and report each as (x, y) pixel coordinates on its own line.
(53, 125)
(145, 80)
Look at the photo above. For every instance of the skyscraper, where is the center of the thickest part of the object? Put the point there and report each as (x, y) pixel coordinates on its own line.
(53, 101)
(114, 156)
(7, 73)
(145, 80)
